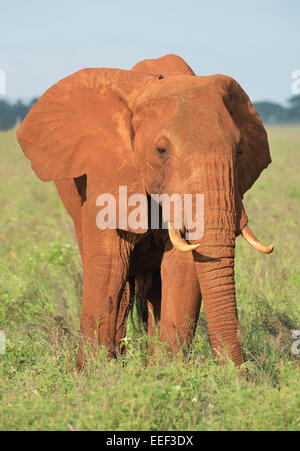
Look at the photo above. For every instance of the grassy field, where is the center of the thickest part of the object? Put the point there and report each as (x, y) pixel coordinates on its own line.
(40, 286)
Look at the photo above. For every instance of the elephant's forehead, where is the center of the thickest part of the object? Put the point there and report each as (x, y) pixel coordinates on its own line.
(182, 99)
(188, 110)
(185, 90)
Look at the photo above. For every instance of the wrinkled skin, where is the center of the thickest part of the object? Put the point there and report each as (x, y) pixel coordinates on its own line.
(80, 132)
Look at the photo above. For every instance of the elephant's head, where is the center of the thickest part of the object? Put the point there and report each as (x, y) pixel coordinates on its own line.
(178, 134)
(201, 135)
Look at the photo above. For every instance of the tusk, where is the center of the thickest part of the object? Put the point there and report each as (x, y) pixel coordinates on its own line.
(254, 242)
(178, 242)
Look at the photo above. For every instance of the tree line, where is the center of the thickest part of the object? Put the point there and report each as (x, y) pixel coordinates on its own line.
(13, 113)
(274, 113)
(271, 113)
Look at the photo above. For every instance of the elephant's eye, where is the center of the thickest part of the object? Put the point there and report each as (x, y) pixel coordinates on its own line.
(239, 152)
(163, 153)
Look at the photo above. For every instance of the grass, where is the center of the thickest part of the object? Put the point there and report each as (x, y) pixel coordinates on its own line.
(40, 286)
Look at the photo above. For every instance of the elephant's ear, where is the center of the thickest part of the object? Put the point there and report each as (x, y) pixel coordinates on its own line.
(254, 155)
(82, 125)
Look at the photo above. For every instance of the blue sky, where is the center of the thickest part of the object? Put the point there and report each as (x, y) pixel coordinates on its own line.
(257, 42)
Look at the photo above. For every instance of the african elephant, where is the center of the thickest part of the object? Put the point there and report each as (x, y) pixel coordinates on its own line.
(155, 129)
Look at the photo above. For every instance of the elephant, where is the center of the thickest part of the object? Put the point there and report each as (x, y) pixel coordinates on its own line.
(155, 129)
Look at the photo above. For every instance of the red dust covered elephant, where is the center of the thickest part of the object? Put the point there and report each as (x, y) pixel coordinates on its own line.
(156, 129)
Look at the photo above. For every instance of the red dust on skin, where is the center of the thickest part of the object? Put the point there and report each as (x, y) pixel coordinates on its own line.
(158, 128)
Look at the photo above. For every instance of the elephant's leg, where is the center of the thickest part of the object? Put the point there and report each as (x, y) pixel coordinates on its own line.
(154, 304)
(148, 287)
(71, 199)
(105, 268)
(123, 311)
(154, 310)
(181, 299)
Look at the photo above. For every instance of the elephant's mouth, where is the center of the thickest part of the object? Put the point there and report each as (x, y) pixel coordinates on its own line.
(182, 245)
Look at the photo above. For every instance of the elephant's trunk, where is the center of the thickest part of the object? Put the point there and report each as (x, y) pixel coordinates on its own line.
(224, 218)
(217, 285)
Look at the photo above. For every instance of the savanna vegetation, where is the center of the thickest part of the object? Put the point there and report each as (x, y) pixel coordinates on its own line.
(40, 288)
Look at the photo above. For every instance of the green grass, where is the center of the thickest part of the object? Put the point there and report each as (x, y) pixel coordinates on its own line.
(40, 286)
